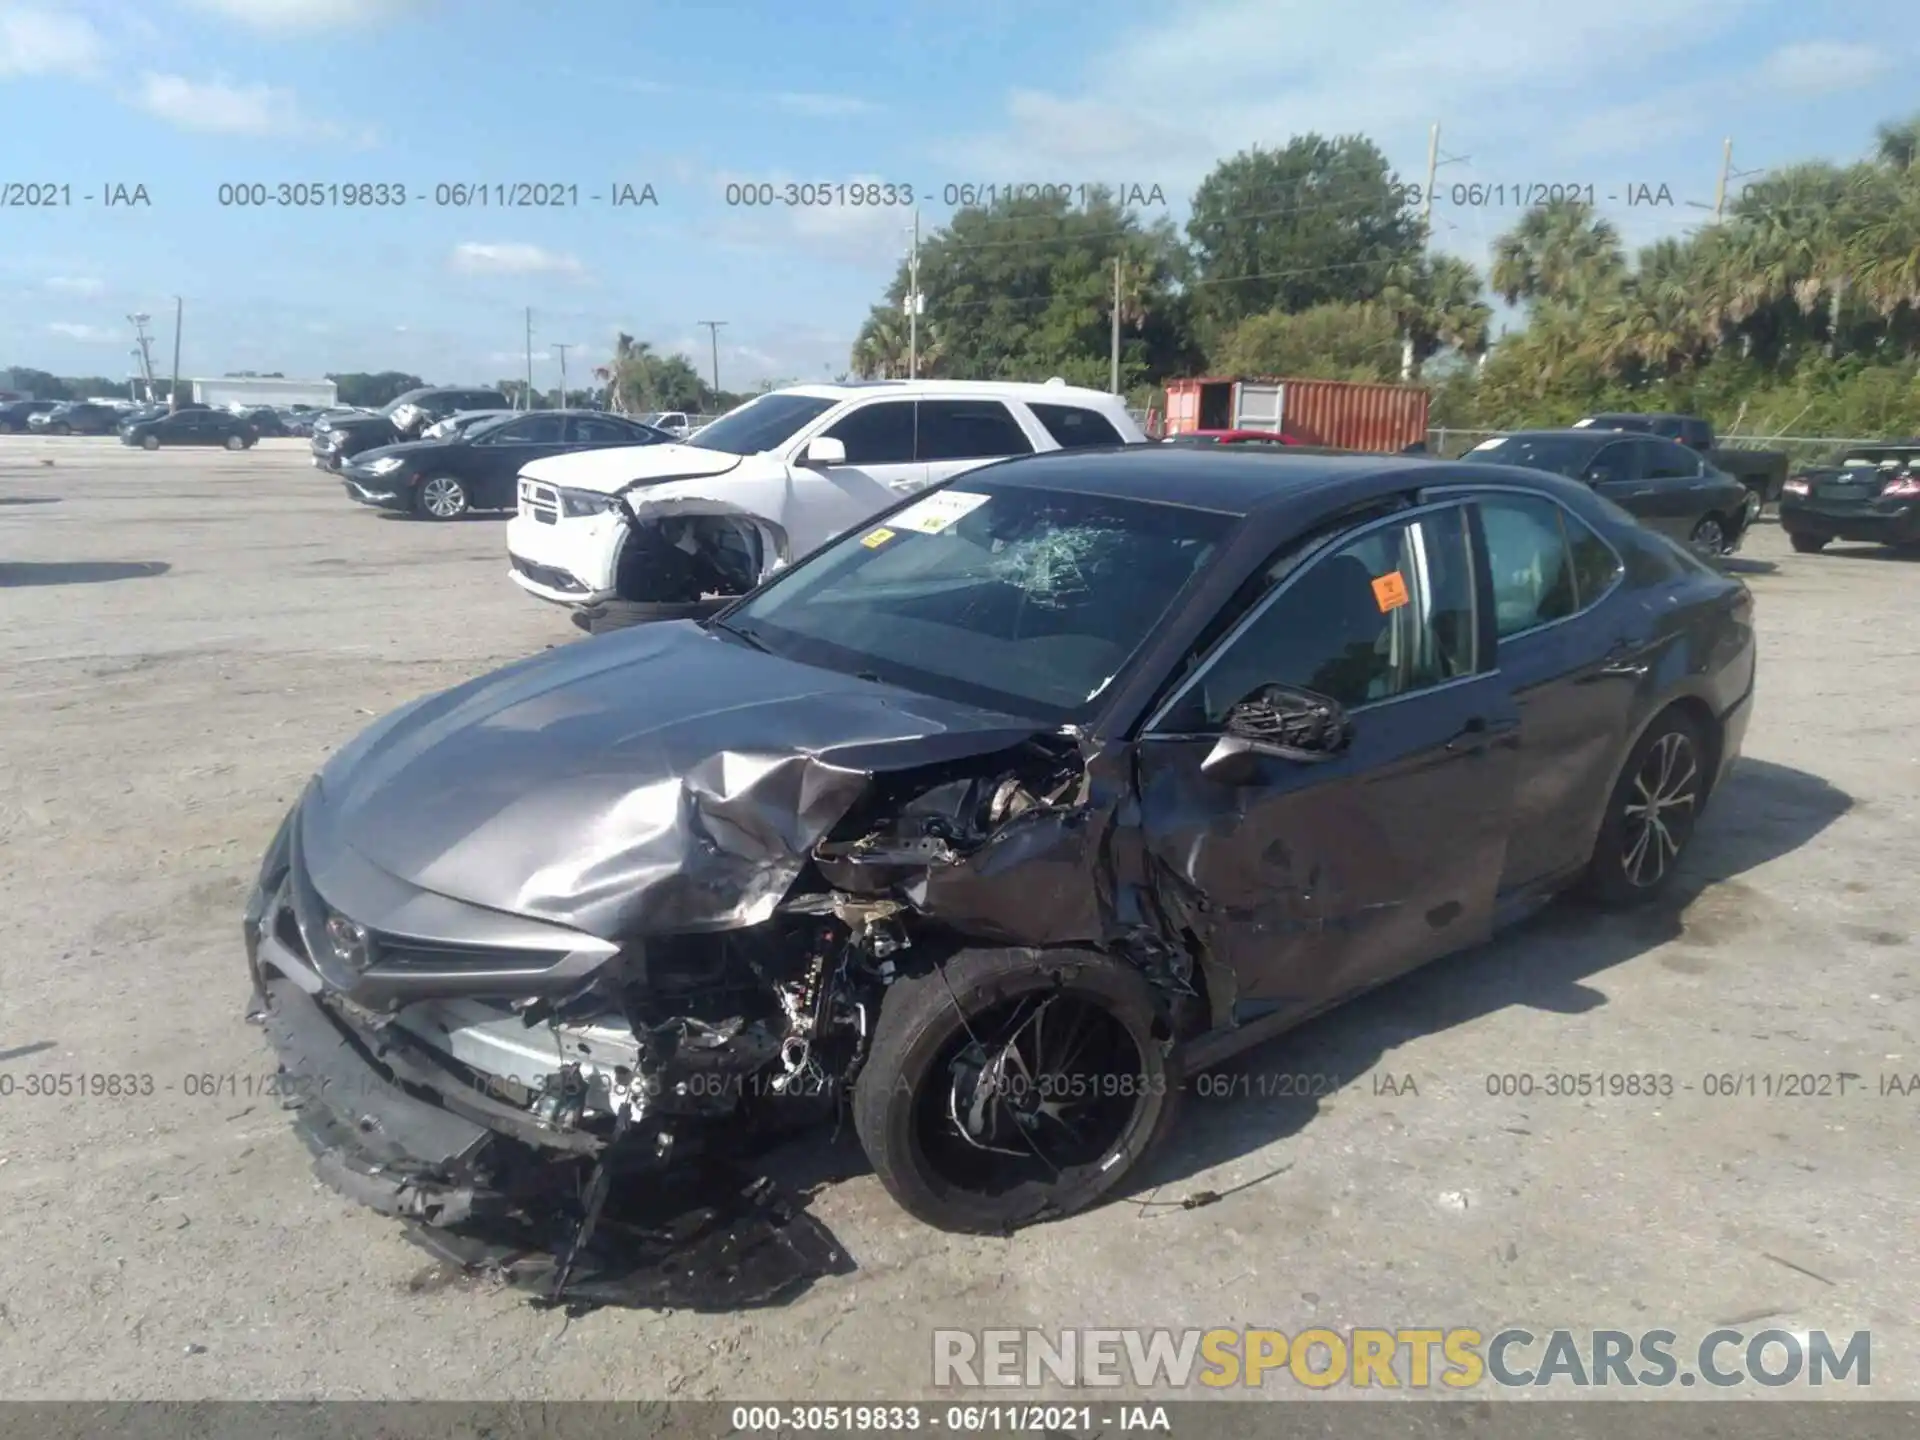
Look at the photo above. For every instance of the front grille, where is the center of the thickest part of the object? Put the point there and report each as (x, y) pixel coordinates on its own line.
(548, 575)
(539, 502)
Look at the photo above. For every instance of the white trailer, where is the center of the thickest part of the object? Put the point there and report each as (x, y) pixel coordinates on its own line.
(251, 390)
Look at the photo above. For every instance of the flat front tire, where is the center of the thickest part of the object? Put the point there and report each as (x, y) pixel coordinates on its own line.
(1651, 814)
(1007, 1087)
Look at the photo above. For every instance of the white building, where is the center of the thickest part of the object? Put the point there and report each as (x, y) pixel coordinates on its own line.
(254, 390)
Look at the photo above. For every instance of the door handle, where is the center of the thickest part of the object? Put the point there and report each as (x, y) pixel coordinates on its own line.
(1624, 661)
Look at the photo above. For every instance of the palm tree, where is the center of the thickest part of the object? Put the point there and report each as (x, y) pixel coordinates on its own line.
(886, 347)
(1558, 251)
(1897, 143)
(1437, 304)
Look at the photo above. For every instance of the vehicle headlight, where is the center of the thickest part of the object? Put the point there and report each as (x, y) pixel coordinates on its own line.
(350, 943)
(579, 504)
(386, 466)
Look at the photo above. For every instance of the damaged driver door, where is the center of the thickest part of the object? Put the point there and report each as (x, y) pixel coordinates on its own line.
(1313, 857)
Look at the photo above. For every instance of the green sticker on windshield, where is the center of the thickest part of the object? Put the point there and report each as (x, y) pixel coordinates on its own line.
(937, 512)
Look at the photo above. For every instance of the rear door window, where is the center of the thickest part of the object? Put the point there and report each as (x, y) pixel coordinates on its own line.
(1667, 460)
(969, 430)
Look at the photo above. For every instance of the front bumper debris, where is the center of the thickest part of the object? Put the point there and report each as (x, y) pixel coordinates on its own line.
(709, 1237)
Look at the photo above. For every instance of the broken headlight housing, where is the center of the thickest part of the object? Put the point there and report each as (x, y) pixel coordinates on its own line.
(350, 943)
(579, 504)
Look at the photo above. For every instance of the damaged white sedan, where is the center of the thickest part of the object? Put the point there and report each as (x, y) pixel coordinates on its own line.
(679, 529)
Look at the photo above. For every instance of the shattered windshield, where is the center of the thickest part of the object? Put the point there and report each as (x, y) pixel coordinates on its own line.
(1024, 600)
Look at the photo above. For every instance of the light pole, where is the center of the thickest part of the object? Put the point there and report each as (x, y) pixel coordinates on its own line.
(561, 350)
(713, 329)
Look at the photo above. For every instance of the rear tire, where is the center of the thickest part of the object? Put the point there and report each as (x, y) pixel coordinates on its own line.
(1712, 537)
(1651, 813)
(1807, 544)
(1076, 1108)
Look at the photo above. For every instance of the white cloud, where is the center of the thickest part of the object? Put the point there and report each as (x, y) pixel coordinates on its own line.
(474, 258)
(1815, 67)
(819, 106)
(869, 236)
(75, 285)
(1234, 72)
(219, 107)
(91, 334)
(44, 42)
(292, 16)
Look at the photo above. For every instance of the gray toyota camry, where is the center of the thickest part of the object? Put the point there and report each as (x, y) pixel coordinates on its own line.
(989, 823)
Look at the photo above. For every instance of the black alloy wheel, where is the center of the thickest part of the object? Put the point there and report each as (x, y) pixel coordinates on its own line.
(1652, 813)
(1004, 1088)
(1710, 536)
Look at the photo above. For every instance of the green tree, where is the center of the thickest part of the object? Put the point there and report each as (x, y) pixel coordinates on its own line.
(1316, 222)
(1328, 342)
(1023, 290)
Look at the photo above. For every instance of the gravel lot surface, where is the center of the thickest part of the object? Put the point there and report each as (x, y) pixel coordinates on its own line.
(187, 635)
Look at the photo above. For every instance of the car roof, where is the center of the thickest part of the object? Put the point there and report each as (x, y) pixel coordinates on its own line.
(1226, 480)
(1595, 435)
(1023, 390)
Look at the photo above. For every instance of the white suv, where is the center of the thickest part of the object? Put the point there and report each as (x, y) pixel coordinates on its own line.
(775, 478)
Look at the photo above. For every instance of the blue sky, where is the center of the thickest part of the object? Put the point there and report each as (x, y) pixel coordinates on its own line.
(183, 95)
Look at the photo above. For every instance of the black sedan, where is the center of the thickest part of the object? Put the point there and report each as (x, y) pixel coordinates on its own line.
(1871, 494)
(76, 417)
(477, 469)
(1663, 483)
(994, 819)
(192, 427)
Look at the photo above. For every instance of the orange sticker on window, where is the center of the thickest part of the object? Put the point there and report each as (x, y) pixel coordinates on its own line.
(877, 538)
(1390, 591)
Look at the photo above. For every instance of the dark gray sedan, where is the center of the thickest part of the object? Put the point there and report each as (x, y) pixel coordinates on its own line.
(991, 822)
(1660, 482)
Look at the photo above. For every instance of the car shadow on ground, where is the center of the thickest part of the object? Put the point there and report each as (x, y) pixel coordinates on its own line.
(1766, 811)
(1739, 565)
(16, 574)
(29, 499)
(1872, 552)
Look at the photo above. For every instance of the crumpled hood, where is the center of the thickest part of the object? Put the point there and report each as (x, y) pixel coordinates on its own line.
(656, 779)
(607, 472)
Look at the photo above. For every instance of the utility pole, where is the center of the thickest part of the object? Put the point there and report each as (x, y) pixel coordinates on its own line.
(1726, 169)
(1113, 365)
(913, 301)
(173, 400)
(1433, 166)
(145, 352)
(713, 330)
(561, 350)
(529, 357)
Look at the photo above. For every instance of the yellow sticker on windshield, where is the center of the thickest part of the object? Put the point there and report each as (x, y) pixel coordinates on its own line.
(877, 538)
(1390, 591)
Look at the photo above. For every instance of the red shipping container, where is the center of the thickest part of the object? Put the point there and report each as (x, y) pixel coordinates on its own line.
(1343, 414)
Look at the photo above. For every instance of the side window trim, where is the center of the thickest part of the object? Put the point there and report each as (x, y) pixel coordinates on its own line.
(1332, 542)
(1581, 603)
